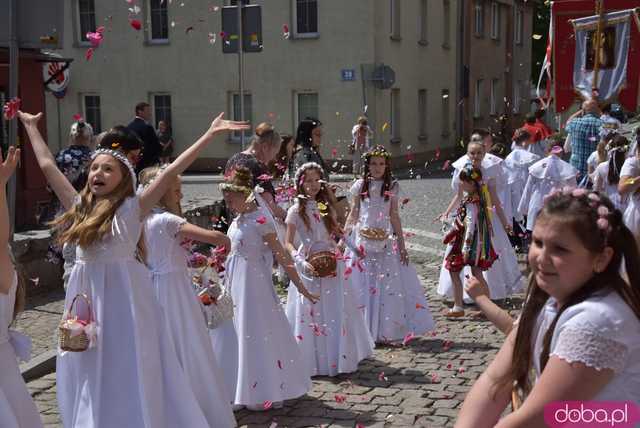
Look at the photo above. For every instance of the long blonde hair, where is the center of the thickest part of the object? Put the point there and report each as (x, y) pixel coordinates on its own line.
(147, 176)
(88, 221)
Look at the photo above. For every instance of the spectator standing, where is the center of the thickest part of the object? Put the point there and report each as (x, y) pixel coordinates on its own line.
(361, 143)
(151, 145)
(308, 139)
(534, 145)
(166, 141)
(584, 133)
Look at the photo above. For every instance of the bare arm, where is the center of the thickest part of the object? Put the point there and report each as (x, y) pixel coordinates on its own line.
(354, 214)
(158, 187)
(485, 403)
(628, 184)
(197, 233)
(275, 209)
(479, 292)
(454, 203)
(560, 381)
(7, 169)
(285, 260)
(498, 206)
(56, 179)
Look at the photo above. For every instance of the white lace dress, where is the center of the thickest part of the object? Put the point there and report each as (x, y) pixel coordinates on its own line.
(601, 179)
(601, 332)
(390, 293)
(183, 318)
(504, 277)
(517, 165)
(331, 334)
(631, 168)
(544, 176)
(269, 366)
(17, 409)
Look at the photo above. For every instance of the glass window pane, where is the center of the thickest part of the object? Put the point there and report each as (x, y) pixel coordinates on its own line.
(92, 112)
(307, 106)
(87, 18)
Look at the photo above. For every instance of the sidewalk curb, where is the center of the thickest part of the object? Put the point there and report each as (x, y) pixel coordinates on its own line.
(39, 366)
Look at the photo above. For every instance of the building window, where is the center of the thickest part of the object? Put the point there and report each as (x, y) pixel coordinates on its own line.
(495, 20)
(306, 105)
(422, 114)
(422, 27)
(446, 25)
(519, 24)
(493, 101)
(477, 101)
(478, 18)
(159, 30)
(92, 112)
(445, 112)
(395, 116)
(306, 18)
(395, 19)
(247, 114)
(86, 18)
(162, 108)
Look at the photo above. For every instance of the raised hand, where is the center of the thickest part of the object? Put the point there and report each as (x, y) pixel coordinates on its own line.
(28, 119)
(8, 166)
(221, 125)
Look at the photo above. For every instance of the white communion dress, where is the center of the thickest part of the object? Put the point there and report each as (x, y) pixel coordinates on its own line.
(517, 165)
(331, 334)
(132, 377)
(390, 293)
(631, 168)
(167, 261)
(269, 366)
(17, 409)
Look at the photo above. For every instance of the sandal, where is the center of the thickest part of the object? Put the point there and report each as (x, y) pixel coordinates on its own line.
(454, 313)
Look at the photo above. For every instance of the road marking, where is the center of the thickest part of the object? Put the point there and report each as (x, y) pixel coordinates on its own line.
(424, 233)
(422, 249)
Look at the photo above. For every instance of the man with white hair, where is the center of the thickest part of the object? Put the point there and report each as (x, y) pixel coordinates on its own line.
(584, 134)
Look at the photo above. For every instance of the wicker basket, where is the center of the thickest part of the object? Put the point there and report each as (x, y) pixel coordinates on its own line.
(374, 233)
(79, 342)
(323, 260)
(220, 308)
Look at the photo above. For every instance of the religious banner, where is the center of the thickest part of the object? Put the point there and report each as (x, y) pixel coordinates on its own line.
(602, 58)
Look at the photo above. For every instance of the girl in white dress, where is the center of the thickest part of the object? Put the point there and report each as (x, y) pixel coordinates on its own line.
(629, 187)
(331, 334)
(270, 366)
(607, 174)
(579, 330)
(517, 165)
(545, 175)
(389, 289)
(17, 409)
(132, 376)
(164, 230)
(503, 277)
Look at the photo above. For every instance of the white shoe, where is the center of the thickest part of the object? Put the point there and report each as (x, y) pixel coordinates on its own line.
(236, 407)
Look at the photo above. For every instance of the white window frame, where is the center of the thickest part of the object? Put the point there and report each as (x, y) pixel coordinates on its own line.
(477, 100)
(81, 39)
(153, 96)
(445, 99)
(83, 100)
(423, 23)
(519, 26)
(395, 15)
(446, 24)
(493, 98)
(478, 18)
(394, 110)
(296, 33)
(296, 104)
(234, 136)
(495, 20)
(423, 111)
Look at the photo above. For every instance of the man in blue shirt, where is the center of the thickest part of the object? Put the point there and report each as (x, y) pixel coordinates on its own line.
(584, 132)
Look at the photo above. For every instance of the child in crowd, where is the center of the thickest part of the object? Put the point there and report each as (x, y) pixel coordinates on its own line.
(270, 366)
(606, 176)
(628, 187)
(389, 289)
(546, 174)
(164, 231)
(579, 330)
(130, 375)
(331, 334)
(17, 409)
(503, 275)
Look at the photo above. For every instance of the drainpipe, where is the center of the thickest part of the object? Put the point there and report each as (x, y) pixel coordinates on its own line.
(460, 72)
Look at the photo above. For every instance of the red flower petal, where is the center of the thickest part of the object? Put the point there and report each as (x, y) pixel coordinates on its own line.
(88, 54)
(135, 24)
(262, 219)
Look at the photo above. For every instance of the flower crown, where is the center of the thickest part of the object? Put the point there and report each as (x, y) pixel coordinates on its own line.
(621, 149)
(160, 171)
(594, 200)
(122, 158)
(378, 151)
(472, 172)
(303, 168)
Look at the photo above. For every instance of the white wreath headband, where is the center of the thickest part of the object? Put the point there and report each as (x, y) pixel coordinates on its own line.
(122, 158)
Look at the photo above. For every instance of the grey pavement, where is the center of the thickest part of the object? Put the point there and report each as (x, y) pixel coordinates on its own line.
(420, 384)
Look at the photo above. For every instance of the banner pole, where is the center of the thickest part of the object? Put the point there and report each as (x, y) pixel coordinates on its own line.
(596, 45)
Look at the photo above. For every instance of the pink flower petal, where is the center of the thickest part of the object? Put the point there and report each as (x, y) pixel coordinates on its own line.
(135, 24)
(408, 338)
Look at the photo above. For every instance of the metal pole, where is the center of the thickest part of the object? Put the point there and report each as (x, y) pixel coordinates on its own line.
(240, 70)
(13, 92)
(596, 45)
